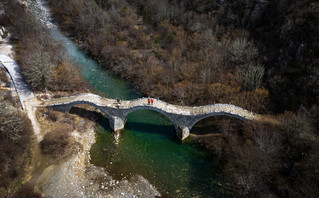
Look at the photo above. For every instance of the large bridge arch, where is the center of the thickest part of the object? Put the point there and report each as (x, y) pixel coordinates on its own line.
(150, 108)
(151, 120)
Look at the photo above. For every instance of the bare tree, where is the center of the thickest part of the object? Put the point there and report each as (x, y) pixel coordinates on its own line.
(267, 140)
(251, 76)
(241, 51)
(27, 26)
(297, 128)
(37, 69)
(11, 122)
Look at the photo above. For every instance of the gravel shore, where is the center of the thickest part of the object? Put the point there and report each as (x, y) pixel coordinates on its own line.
(77, 177)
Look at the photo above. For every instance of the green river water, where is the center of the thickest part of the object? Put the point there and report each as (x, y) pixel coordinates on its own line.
(148, 145)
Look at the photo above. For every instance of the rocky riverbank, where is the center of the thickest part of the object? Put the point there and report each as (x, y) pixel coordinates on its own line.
(77, 177)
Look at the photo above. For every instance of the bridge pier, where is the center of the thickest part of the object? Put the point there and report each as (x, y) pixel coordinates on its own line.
(182, 132)
(116, 123)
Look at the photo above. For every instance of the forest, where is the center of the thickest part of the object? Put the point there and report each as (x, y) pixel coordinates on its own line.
(259, 55)
(239, 53)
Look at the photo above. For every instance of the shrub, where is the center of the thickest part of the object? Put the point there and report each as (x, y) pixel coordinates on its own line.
(15, 141)
(27, 26)
(13, 124)
(251, 76)
(4, 77)
(59, 145)
(241, 51)
(26, 191)
(37, 69)
(296, 127)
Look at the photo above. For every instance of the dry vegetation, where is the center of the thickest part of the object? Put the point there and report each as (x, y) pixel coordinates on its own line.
(42, 59)
(4, 78)
(16, 142)
(264, 160)
(59, 142)
(200, 52)
(164, 59)
(26, 192)
(260, 55)
(15, 146)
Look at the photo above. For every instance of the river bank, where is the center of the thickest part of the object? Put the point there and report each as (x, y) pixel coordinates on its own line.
(77, 177)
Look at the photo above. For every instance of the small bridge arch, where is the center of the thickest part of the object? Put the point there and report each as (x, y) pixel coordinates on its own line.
(202, 117)
(67, 107)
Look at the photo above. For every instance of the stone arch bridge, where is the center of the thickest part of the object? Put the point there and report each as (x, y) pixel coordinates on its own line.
(182, 117)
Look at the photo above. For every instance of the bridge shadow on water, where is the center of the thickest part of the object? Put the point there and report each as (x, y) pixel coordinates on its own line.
(200, 173)
(167, 131)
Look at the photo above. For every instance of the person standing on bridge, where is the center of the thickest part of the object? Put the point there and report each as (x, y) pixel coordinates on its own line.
(152, 101)
(149, 100)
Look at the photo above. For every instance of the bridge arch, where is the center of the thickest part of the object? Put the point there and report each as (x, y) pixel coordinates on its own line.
(202, 117)
(116, 122)
(68, 106)
(150, 108)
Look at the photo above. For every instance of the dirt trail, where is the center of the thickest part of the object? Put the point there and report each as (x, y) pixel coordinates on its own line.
(31, 112)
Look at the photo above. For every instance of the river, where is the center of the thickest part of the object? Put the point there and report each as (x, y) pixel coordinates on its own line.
(148, 145)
